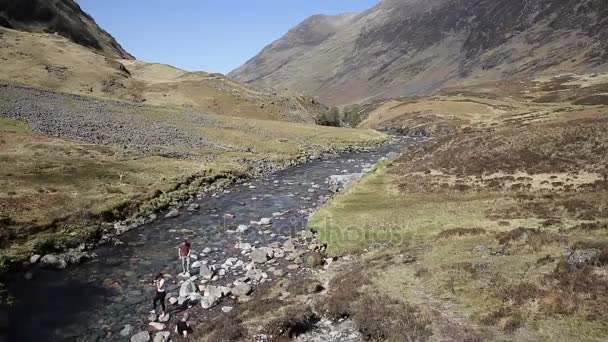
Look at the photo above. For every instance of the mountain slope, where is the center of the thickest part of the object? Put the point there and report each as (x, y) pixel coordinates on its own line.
(52, 62)
(63, 17)
(412, 47)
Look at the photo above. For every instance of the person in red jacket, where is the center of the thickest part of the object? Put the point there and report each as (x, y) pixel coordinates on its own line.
(184, 257)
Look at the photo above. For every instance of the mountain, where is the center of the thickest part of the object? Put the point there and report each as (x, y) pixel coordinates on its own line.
(415, 47)
(63, 17)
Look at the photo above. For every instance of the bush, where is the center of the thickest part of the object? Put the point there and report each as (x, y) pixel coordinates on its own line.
(381, 318)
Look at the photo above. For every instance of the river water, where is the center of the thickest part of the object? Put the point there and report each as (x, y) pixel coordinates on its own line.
(94, 300)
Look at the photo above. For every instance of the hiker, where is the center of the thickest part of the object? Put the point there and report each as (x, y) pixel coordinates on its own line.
(159, 293)
(184, 257)
(183, 327)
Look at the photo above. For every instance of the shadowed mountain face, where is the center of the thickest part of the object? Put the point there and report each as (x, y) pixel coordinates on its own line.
(414, 47)
(63, 17)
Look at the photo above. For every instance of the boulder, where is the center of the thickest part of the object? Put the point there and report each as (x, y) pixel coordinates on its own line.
(193, 207)
(35, 258)
(162, 336)
(242, 228)
(261, 255)
(343, 181)
(196, 264)
(265, 221)
(172, 300)
(205, 272)
(226, 309)
(581, 257)
(54, 261)
(142, 336)
(207, 250)
(241, 289)
(126, 330)
(288, 246)
(157, 326)
(172, 213)
(392, 155)
(207, 302)
(187, 288)
(164, 318)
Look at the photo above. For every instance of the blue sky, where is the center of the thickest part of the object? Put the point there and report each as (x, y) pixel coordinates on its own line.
(208, 35)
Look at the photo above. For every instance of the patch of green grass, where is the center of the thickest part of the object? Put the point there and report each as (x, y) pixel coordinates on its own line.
(373, 213)
(12, 126)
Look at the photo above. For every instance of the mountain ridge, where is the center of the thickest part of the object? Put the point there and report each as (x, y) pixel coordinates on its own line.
(415, 47)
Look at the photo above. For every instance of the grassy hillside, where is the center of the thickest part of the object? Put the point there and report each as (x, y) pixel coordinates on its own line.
(497, 234)
(53, 62)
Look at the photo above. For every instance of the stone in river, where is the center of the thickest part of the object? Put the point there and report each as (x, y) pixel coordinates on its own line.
(126, 330)
(158, 326)
(172, 213)
(162, 336)
(142, 336)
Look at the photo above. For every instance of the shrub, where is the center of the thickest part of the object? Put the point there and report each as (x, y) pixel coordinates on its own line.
(381, 318)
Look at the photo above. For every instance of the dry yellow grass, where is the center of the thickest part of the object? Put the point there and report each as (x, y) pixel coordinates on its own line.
(53, 62)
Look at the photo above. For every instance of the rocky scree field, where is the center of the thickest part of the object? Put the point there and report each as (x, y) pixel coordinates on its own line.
(71, 164)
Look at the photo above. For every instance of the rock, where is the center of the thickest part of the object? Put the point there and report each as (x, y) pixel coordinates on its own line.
(242, 228)
(54, 261)
(581, 257)
(162, 336)
(126, 330)
(241, 289)
(164, 318)
(158, 326)
(208, 302)
(187, 288)
(142, 336)
(172, 213)
(172, 300)
(193, 207)
(195, 297)
(152, 317)
(293, 267)
(196, 264)
(181, 300)
(343, 181)
(205, 272)
(288, 246)
(35, 258)
(227, 309)
(207, 250)
(261, 255)
(265, 221)
(392, 155)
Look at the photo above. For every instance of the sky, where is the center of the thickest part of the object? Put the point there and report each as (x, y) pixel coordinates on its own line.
(206, 35)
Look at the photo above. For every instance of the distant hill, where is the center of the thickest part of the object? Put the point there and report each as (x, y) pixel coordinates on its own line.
(63, 17)
(415, 47)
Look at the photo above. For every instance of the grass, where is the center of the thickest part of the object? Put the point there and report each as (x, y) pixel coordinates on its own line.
(474, 230)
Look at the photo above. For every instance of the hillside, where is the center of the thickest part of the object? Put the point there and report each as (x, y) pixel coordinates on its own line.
(53, 62)
(416, 47)
(63, 17)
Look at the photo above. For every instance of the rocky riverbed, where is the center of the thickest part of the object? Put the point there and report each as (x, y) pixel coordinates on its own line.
(244, 236)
